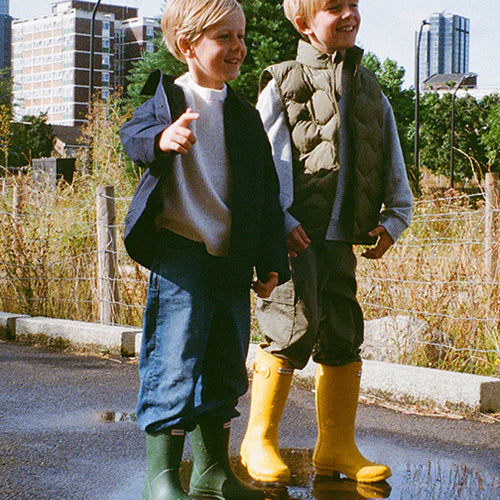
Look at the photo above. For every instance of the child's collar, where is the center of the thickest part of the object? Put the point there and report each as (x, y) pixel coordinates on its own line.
(310, 56)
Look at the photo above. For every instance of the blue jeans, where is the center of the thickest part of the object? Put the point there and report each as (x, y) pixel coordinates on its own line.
(195, 339)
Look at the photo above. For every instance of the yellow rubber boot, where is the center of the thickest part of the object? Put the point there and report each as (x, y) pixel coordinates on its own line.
(337, 393)
(260, 455)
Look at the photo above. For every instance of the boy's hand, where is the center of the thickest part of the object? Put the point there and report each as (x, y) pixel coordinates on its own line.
(178, 137)
(383, 244)
(264, 288)
(296, 241)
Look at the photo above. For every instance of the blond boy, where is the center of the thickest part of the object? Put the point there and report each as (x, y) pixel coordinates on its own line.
(342, 182)
(205, 215)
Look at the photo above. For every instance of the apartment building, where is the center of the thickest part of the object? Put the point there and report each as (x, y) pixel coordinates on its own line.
(5, 35)
(51, 57)
(444, 46)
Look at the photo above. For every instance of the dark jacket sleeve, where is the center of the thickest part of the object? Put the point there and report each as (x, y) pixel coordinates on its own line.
(273, 254)
(139, 135)
(138, 138)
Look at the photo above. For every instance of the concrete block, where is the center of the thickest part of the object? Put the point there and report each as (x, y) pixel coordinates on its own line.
(129, 342)
(138, 342)
(8, 325)
(430, 387)
(77, 335)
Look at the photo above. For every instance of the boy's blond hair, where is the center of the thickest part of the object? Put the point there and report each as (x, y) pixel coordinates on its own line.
(304, 8)
(190, 18)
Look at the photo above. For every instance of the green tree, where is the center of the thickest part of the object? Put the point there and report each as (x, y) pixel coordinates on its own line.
(473, 144)
(5, 87)
(270, 38)
(150, 61)
(490, 137)
(34, 138)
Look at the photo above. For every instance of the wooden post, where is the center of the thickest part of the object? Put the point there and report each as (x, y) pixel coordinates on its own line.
(16, 205)
(107, 257)
(492, 215)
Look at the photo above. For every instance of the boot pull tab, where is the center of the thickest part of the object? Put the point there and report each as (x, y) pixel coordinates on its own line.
(177, 432)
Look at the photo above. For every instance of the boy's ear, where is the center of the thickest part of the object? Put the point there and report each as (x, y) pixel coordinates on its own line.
(302, 26)
(185, 46)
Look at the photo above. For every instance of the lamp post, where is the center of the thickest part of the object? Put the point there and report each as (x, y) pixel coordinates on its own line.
(416, 144)
(91, 65)
(452, 131)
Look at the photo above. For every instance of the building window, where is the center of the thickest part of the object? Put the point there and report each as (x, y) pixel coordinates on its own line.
(105, 44)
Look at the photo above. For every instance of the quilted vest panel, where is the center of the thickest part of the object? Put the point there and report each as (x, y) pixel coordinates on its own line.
(310, 89)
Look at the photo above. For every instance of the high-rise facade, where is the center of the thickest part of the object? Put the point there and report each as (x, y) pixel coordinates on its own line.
(444, 46)
(51, 58)
(5, 35)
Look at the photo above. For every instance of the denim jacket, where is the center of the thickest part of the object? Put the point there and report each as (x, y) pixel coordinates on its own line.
(257, 229)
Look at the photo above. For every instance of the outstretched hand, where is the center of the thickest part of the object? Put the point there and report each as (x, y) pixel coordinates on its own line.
(178, 137)
(383, 244)
(264, 288)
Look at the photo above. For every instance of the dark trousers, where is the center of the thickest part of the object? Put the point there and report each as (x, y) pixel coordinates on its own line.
(316, 313)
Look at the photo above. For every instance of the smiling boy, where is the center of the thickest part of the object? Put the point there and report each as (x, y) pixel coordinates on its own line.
(204, 217)
(342, 182)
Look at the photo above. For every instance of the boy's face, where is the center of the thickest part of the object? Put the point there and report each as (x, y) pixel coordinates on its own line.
(333, 27)
(215, 58)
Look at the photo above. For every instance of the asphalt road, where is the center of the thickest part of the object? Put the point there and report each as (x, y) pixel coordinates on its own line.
(66, 433)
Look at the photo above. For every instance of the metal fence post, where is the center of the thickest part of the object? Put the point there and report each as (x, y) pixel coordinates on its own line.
(107, 257)
(492, 207)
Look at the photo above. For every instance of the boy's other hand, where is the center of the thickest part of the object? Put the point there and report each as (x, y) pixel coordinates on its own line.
(383, 244)
(178, 137)
(264, 288)
(297, 241)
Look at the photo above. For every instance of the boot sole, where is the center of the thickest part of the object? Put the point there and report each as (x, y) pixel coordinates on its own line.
(263, 478)
(334, 472)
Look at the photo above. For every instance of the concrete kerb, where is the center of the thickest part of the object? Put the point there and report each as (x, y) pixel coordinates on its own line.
(64, 334)
(425, 387)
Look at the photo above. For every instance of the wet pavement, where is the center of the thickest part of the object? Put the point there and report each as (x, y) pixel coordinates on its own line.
(66, 432)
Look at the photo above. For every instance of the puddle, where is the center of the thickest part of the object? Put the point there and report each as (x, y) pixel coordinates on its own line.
(425, 481)
(115, 416)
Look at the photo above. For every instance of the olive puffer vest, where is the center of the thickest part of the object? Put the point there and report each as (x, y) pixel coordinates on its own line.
(310, 88)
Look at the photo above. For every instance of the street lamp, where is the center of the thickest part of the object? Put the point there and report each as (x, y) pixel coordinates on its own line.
(452, 131)
(416, 148)
(91, 65)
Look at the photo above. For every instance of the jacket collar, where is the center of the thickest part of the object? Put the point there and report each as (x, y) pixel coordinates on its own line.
(310, 56)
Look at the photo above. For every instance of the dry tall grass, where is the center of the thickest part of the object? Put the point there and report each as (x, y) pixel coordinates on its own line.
(437, 273)
(48, 267)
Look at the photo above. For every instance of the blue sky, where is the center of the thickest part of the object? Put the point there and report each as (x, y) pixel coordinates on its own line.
(387, 28)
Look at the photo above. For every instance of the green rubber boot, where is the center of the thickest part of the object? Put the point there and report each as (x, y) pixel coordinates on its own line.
(164, 454)
(212, 475)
